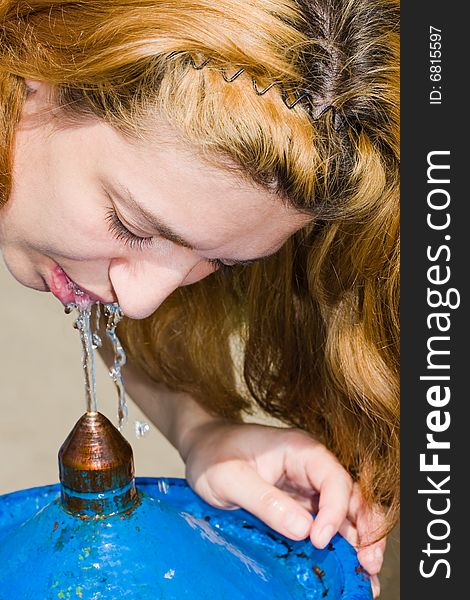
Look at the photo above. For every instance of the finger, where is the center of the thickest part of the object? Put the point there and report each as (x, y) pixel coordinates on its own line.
(274, 507)
(335, 491)
(375, 585)
(371, 558)
(308, 503)
(370, 523)
(369, 520)
(355, 503)
(306, 499)
(349, 532)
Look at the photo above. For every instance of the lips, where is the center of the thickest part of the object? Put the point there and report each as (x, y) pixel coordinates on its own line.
(68, 292)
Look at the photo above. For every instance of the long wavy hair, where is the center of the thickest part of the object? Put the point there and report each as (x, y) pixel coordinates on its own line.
(310, 335)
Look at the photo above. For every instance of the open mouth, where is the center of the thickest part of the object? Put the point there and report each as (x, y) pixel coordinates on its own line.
(68, 292)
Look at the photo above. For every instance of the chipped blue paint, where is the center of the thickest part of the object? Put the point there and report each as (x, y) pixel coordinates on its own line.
(172, 546)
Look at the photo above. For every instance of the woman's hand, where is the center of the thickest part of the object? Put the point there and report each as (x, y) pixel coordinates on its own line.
(281, 476)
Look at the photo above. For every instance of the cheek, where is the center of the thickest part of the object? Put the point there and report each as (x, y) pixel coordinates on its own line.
(201, 270)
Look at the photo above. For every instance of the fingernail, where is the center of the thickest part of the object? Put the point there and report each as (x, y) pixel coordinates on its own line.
(298, 525)
(325, 535)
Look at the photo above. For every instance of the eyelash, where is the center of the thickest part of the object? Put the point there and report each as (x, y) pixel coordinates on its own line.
(122, 234)
(219, 265)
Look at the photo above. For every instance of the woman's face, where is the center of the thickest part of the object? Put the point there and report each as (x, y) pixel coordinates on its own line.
(77, 190)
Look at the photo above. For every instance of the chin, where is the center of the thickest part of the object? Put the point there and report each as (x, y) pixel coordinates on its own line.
(26, 277)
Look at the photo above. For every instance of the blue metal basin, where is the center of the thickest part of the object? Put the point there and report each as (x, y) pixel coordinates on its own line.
(172, 546)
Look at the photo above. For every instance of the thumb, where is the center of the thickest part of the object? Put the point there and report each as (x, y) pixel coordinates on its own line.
(272, 506)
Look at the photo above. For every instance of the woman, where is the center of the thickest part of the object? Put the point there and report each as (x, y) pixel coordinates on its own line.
(149, 144)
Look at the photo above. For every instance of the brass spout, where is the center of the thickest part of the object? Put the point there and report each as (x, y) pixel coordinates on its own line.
(96, 468)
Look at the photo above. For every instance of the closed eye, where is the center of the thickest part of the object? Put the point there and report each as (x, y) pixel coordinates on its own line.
(219, 265)
(121, 233)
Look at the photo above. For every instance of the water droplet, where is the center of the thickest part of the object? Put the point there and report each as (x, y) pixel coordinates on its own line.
(141, 429)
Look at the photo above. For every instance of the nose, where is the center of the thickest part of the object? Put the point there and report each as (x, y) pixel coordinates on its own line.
(142, 283)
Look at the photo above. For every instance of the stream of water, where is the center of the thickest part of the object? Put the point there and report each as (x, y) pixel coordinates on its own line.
(114, 315)
(87, 323)
(82, 323)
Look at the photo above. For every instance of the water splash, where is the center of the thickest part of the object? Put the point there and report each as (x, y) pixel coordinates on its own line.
(114, 315)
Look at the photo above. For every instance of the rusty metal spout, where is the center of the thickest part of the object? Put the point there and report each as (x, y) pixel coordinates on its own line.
(96, 469)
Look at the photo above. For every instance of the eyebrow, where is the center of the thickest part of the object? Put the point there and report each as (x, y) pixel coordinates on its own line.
(126, 196)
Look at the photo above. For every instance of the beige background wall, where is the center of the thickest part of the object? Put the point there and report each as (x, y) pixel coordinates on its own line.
(42, 396)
